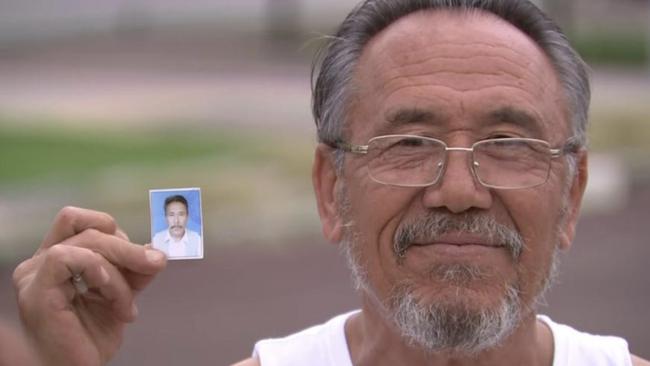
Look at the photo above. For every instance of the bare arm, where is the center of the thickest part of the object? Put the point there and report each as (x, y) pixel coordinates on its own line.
(637, 361)
(248, 362)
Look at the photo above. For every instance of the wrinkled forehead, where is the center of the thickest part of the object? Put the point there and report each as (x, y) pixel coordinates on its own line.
(422, 28)
(462, 50)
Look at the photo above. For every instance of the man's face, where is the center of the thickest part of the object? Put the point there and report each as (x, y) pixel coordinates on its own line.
(176, 215)
(461, 79)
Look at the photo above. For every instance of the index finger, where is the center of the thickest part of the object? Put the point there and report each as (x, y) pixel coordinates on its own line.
(71, 221)
(119, 252)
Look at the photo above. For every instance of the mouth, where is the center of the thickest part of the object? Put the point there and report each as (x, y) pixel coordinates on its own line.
(454, 245)
(465, 234)
(459, 241)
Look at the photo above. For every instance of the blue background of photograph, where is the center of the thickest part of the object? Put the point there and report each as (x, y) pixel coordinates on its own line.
(193, 197)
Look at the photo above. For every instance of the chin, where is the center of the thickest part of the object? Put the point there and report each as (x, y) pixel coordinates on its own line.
(455, 319)
(454, 282)
(476, 296)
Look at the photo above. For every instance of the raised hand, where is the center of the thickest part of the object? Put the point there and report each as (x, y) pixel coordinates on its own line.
(69, 326)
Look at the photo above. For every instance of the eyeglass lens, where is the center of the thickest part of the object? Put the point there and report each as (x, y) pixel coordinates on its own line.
(499, 163)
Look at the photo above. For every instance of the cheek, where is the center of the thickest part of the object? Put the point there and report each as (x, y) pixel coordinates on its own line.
(535, 214)
(533, 220)
(376, 211)
(375, 207)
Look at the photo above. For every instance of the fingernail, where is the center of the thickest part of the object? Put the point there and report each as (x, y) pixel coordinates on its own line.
(104, 275)
(134, 310)
(154, 256)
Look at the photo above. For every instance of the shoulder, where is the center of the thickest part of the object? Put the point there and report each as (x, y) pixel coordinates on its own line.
(572, 345)
(637, 361)
(193, 238)
(323, 344)
(159, 237)
(248, 362)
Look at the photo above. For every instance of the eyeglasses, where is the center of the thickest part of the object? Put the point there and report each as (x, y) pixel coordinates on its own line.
(418, 161)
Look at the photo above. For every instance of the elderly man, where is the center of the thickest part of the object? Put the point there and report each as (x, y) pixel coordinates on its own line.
(451, 169)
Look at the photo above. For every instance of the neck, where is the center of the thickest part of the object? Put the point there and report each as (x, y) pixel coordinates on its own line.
(177, 237)
(374, 340)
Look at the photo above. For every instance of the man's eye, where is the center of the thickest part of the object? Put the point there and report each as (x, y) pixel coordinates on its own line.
(409, 142)
(501, 136)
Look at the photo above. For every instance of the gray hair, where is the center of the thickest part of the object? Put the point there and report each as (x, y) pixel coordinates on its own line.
(334, 65)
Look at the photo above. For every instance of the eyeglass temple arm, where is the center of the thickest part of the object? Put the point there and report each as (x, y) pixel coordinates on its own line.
(572, 145)
(351, 148)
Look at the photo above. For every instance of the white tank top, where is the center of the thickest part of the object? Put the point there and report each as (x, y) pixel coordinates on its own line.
(573, 347)
(325, 345)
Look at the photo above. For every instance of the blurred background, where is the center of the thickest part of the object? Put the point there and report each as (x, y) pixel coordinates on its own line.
(101, 101)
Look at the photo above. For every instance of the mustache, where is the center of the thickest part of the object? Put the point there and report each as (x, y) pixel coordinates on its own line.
(430, 227)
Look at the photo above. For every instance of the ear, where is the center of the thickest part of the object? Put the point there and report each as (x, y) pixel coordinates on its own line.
(575, 199)
(325, 181)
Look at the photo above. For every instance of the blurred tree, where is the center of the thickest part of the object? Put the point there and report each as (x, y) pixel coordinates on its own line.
(133, 19)
(562, 11)
(647, 32)
(283, 19)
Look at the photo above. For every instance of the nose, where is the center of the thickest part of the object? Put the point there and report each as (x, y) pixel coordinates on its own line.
(457, 189)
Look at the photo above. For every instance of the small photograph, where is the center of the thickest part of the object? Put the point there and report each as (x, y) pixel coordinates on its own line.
(177, 222)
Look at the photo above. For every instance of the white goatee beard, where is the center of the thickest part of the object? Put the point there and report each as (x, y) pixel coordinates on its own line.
(458, 329)
(455, 328)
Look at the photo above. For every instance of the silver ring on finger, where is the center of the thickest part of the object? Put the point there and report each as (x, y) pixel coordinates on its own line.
(79, 283)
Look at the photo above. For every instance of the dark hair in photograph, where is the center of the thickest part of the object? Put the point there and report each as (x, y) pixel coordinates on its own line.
(176, 198)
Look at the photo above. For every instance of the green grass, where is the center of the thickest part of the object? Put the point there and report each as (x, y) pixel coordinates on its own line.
(31, 154)
(625, 48)
(247, 178)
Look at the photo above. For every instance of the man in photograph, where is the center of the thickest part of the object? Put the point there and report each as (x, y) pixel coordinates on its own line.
(450, 170)
(177, 240)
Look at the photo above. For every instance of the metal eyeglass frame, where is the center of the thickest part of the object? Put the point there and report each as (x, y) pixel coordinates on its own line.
(571, 145)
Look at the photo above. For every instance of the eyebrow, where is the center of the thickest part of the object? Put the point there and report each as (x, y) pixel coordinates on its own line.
(404, 116)
(514, 116)
(501, 115)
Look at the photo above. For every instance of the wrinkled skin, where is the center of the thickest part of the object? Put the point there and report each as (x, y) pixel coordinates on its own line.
(68, 328)
(461, 79)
